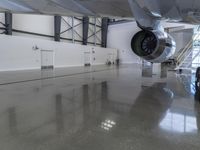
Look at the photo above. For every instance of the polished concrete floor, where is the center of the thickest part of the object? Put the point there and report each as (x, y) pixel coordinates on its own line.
(108, 109)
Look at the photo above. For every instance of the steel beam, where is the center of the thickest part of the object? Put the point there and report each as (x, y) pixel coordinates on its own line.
(104, 31)
(8, 23)
(85, 30)
(114, 22)
(73, 37)
(72, 29)
(57, 28)
(95, 31)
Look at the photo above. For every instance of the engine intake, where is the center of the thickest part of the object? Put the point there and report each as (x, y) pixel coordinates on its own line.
(153, 46)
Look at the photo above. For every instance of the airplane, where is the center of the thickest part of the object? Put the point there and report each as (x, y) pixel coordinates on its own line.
(152, 43)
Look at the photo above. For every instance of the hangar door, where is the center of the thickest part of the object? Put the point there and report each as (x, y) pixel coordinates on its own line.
(47, 61)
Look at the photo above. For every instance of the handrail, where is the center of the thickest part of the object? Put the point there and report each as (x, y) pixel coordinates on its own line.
(197, 54)
(183, 59)
(189, 44)
(187, 49)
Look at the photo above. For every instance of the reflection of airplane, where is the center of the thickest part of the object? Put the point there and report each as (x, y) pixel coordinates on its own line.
(152, 43)
(155, 106)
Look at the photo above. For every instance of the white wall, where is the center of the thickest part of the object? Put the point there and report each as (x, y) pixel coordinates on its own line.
(17, 53)
(120, 35)
(34, 23)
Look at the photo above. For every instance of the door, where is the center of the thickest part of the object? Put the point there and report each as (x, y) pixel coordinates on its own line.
(87, 58)
(47, 61)
(111, 58)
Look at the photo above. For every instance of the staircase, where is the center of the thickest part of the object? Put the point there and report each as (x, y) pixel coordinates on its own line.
(196, 58)
(188, 55)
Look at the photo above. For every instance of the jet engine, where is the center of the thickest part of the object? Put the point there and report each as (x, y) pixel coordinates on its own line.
(154, 46)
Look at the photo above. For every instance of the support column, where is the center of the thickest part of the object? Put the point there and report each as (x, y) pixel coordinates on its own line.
(57, 28)
(85, 30)
(8, 23)
(104, 32)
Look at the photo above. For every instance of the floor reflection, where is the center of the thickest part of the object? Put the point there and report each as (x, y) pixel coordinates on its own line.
(147, 69)
(104, 91)
(108, 124)
(109, 113)
(188, 83)
(197, 91)
(59, 114)
(164, 70)
(197, 112)
(177, 122)
(12, 120)
(86, 102)
(151, 108)
(152, 105)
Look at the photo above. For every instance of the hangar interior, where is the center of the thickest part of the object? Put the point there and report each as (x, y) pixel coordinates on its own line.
(74, 83)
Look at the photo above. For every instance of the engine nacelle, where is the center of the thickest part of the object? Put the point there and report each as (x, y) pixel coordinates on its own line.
(153, 46)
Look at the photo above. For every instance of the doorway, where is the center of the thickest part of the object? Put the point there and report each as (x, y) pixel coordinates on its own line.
(110, 59)
(47, 59)
(87, 58)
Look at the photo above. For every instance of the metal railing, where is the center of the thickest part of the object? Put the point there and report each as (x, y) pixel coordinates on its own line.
(186, 53)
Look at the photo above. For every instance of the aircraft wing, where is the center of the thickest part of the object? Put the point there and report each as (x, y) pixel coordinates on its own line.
(115, 8)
